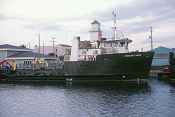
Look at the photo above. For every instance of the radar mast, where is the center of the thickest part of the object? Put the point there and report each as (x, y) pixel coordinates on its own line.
(114, 13)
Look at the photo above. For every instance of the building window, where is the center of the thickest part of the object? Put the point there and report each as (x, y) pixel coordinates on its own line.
(27, 62)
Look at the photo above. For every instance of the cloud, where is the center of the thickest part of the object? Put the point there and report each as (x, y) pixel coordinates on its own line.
(150, 11)
(136, 18)
(74, 18)
(52, 9)
(3, 17)
(43, 26)
(141, 8)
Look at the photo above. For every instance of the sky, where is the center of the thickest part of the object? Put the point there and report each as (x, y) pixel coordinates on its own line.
(22, 20)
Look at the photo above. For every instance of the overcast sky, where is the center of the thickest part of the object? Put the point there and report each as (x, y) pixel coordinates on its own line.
(22, 20)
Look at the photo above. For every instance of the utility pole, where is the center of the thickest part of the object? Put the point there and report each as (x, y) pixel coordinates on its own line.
(53, 44)
(29, 45)
(39, 44)
(43, 48)
(151, 37)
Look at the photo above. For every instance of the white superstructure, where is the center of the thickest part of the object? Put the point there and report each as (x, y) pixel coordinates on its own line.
(75, 49)
(95, 31)
(88, 50)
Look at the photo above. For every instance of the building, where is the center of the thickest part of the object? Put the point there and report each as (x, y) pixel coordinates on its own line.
(88, 50)
(7, 50)
(173, 50)
(31, 60)
(58, 50)
(161, 57)
(63, 50)
(21, 58)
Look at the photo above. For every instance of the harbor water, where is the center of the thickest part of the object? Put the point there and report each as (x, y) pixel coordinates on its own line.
(156, 99)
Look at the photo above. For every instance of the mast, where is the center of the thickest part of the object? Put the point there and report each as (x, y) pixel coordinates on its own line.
(115, 24)
(151, 37)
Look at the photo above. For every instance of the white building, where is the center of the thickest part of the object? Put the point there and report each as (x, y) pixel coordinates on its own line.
(88, 50)
(58, 50)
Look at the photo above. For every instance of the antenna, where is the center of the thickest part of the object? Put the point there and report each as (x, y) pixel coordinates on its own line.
(115, 23)
(151, 37)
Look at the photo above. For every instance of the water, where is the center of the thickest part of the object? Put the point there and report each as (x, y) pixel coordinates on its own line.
(157, 99)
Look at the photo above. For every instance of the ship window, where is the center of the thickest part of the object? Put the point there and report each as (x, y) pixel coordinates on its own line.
(104, 44)
(30, 62)
(115, 45)
(122, 44)
(83, 52)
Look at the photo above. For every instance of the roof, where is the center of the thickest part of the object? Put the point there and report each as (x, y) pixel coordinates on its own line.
(95, 22)
(162, 50)
(27, 54)
(7, 46)
(121, 40)
(64, 45)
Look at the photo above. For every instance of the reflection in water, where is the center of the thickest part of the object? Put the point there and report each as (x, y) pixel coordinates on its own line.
(153, 100)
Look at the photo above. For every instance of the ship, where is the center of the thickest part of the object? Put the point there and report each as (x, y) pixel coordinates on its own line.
(98, 59)
(106, 59)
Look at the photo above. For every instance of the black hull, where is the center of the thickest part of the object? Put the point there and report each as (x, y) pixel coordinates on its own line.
(125, 66)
